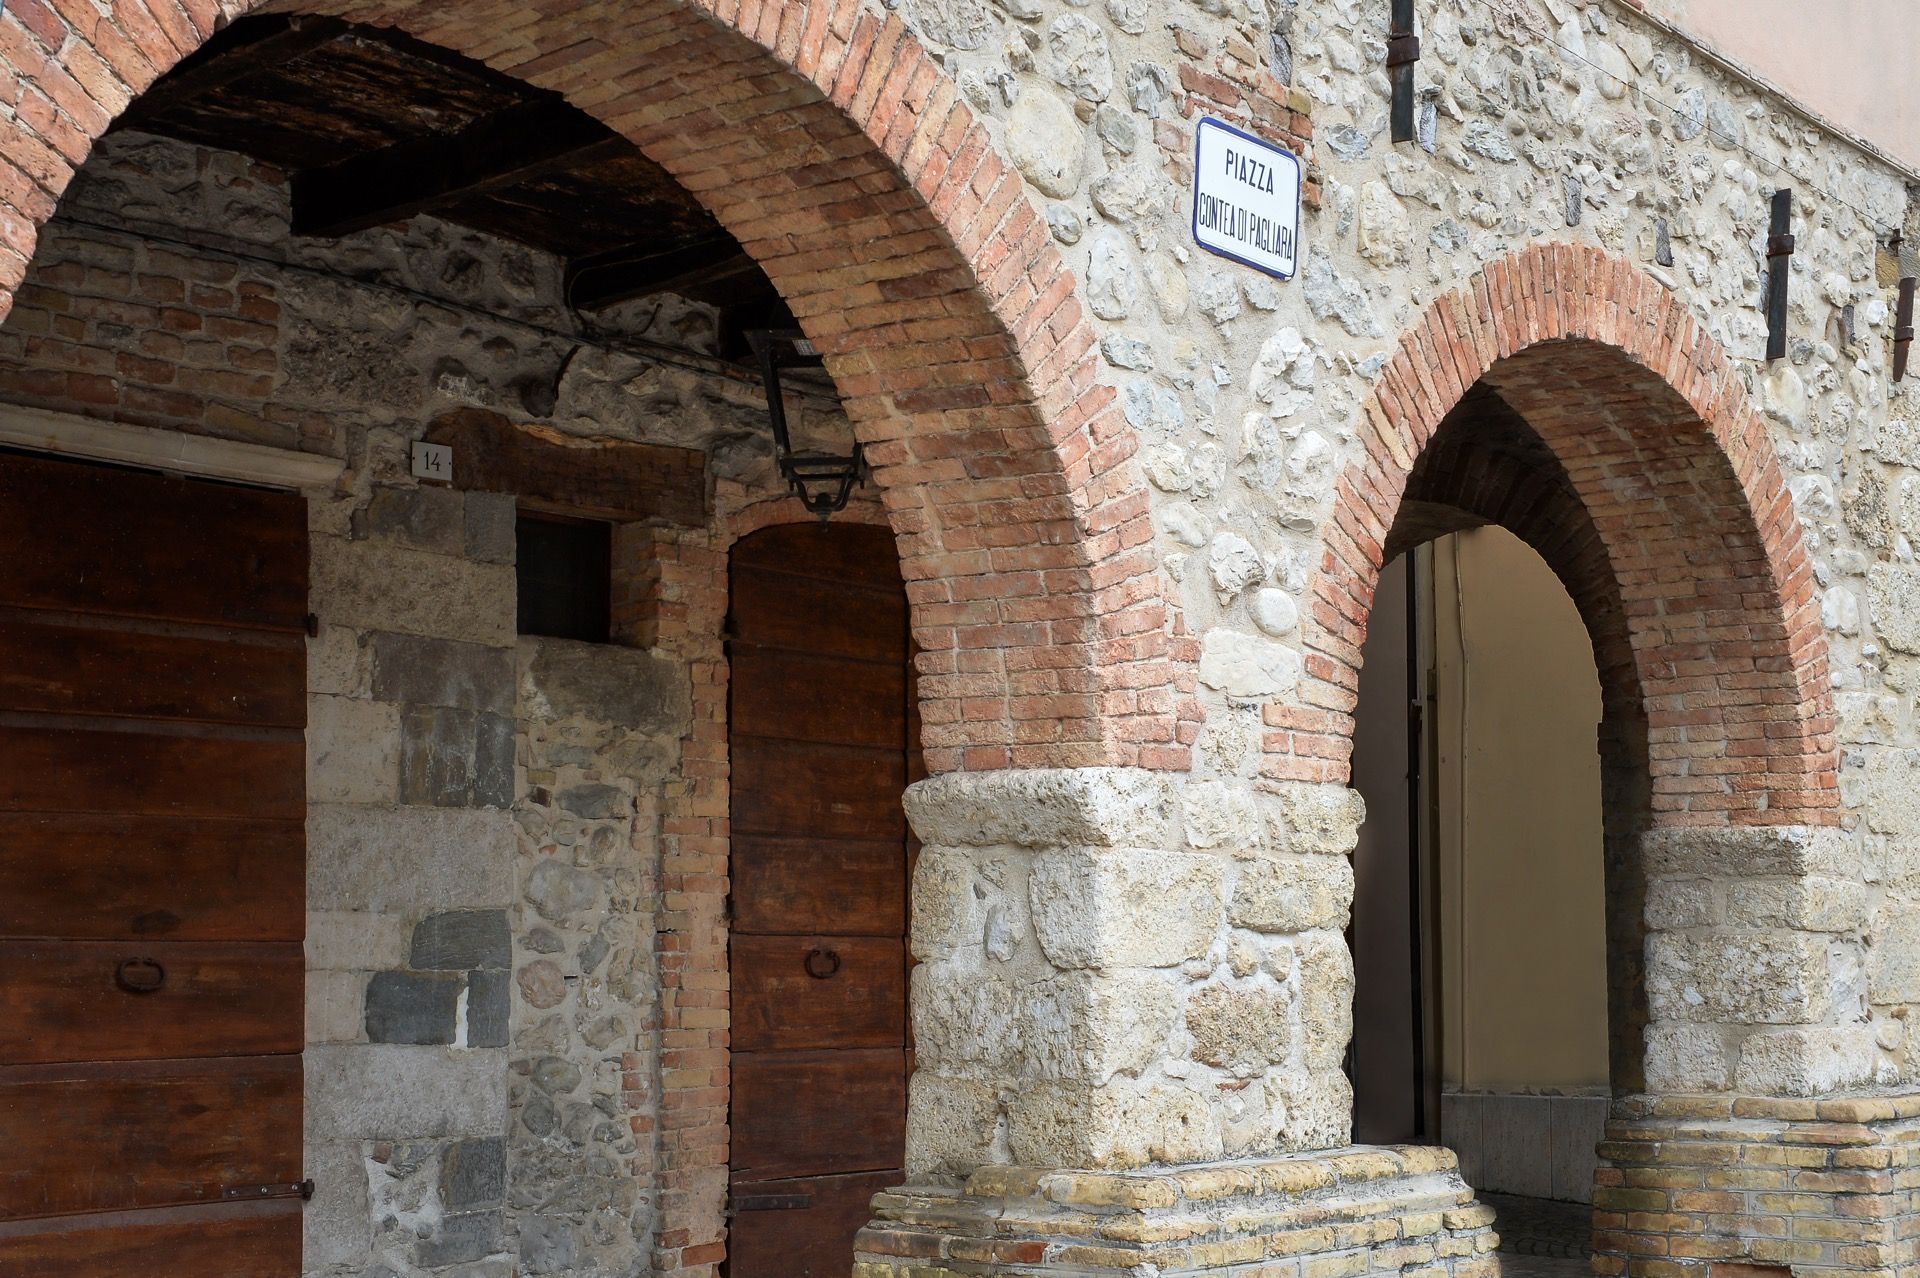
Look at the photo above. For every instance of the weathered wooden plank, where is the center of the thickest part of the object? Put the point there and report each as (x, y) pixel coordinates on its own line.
(44, 769)
(600, 478)
(151, 878)
(782, 610)
(829, 886)
(815, 1241)
(231, 1240)
(844, 554)
(70, 667)
(65, 1000)
(89, 1138)
(834, 792)
(794, 992)
(853, 1116)
(105, 540)
(797, 696)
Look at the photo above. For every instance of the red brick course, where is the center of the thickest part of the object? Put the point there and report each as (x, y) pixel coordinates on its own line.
(1705, 608)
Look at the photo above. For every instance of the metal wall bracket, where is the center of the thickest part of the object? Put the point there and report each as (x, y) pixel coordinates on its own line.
(768, 1202)
(822, 481)
(1403, 50)
(1779, 264)
(1903, 328)
(302, 1190)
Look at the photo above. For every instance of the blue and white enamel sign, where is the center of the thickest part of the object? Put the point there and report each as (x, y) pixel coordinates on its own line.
(1246, 198)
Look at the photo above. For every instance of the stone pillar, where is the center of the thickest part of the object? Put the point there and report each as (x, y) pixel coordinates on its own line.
(1755, 961)
(1757, 980)
(1122, 969)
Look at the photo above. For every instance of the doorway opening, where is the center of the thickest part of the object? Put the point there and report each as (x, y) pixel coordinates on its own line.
(1479, 924)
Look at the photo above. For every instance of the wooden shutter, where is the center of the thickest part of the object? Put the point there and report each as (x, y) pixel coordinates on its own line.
(152, 873)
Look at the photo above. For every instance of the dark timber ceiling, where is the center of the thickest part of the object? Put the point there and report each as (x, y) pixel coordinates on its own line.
(376, 127)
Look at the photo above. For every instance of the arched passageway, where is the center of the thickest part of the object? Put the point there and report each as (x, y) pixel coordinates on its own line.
(839, 156)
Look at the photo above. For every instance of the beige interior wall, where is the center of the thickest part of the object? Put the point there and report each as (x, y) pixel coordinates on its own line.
(1522, 944)
(1852, 61)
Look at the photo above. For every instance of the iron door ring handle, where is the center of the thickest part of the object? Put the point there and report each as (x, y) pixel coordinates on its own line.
(815, 959)
(139, 975)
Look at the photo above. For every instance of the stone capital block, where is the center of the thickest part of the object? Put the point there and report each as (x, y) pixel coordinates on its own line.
(1045, 807)
(1124, 907)
(1744, 852)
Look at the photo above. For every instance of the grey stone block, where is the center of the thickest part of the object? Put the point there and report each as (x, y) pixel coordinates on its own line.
(489, 999)
(334, 1224)
(461, 1240)
(560, 891)
(352, 750)
(441, 672)
(493, 760)
(424, 518)
(1579, 1123)
(390, 1092)
(596, 802)
(547, 1245)
(491, 520)
(455, 758)
(1517, 1157)
(413, 1007)
(408, 861)
(1460, 1130)
(624, 686)
(462, 939)
(383, 586)
(473, 1174)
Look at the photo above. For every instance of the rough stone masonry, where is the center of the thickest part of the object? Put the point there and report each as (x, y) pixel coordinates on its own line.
(1133, 992)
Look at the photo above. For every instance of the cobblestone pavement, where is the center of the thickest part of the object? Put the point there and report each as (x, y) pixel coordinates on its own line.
(1542, 1239)
(1538, 1227)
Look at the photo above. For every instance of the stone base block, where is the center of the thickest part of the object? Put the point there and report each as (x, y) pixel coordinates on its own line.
(1716, 1185)
(1329, 1215)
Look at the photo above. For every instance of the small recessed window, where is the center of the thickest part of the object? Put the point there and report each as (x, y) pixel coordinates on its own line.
(565, 571)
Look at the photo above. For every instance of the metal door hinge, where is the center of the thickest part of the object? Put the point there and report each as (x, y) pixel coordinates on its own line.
(768, 1202)
(280, 1189)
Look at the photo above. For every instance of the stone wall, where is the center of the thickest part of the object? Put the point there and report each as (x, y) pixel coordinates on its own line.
(1541, 122)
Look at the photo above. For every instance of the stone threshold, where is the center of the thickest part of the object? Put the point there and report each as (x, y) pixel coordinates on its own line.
(1326, 1215)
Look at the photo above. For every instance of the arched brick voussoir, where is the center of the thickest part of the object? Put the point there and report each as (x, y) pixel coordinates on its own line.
(1711, 597)
(826, 139)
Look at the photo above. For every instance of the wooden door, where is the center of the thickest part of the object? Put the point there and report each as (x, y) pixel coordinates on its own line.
(152, 873)
(1391, 1059)
(824, 739)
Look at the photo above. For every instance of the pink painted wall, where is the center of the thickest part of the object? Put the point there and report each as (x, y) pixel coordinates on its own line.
(1856, 62)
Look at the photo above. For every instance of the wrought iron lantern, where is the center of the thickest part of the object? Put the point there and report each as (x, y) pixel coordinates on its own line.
(822, 481)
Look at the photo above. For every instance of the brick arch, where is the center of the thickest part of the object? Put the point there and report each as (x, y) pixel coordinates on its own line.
(1695, 538)
(828, 141)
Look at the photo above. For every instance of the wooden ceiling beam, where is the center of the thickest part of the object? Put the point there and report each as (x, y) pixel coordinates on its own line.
(496, 151)
(622, 274)
(223, 61)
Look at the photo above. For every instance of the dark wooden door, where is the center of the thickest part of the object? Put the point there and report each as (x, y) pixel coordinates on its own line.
(824, 738)
(1391, 1061)
(152, 873)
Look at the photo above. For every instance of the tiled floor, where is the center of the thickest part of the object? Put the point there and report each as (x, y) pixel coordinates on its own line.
(1541, 1239)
